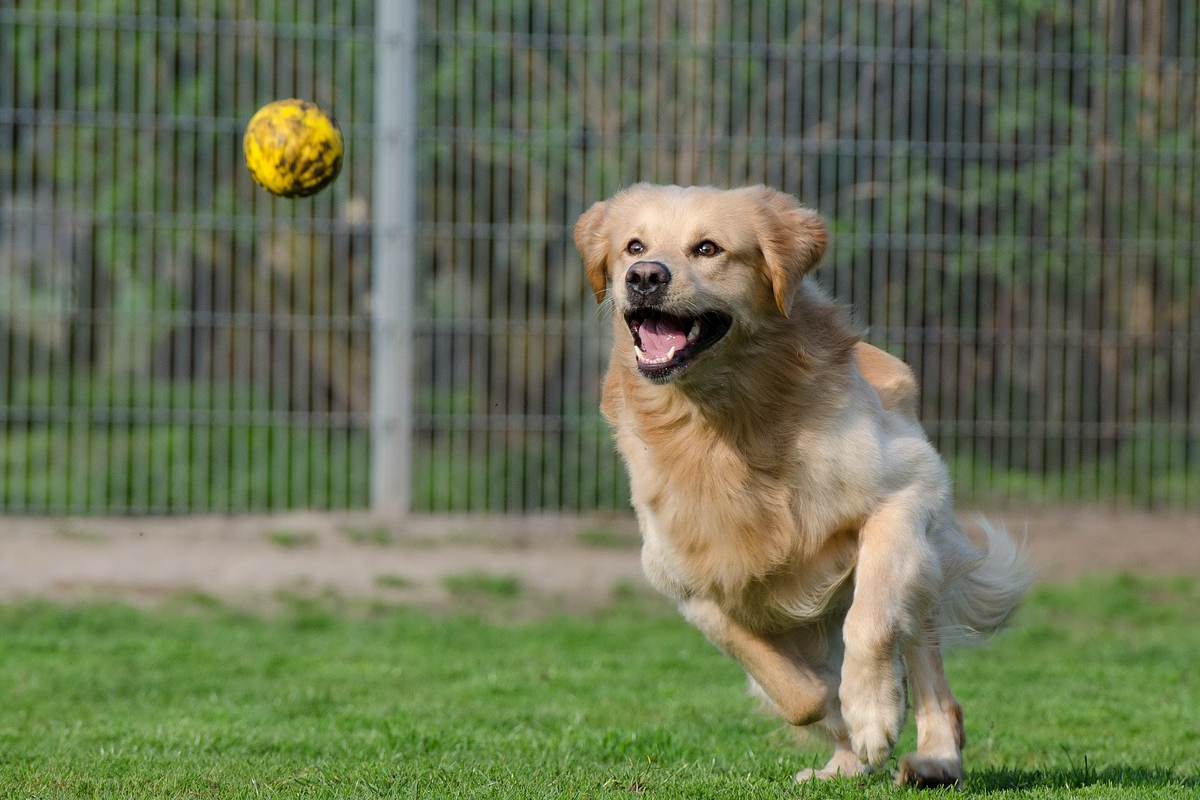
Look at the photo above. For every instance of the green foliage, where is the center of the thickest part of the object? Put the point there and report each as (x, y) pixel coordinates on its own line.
(467, 469)
(1145, 472)
(154, 447)
(1090, 696)
(1011, 184)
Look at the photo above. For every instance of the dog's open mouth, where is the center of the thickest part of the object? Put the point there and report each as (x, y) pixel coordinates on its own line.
(664, 344)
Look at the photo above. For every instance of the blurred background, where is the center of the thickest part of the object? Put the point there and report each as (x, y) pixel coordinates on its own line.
(1011, 185)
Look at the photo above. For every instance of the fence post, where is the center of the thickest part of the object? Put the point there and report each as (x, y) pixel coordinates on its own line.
(393, 255)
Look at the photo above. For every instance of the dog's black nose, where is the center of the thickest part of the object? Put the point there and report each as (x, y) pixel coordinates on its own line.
(647, 279)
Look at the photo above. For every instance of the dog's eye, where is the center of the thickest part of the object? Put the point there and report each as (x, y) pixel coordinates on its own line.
(635, 247)
(708, 249)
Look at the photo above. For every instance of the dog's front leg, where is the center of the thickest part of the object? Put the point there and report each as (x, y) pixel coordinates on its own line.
(892, 581)
(799, 692)
(940, 737)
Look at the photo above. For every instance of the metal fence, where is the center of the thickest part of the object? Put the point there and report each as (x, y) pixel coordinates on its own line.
(1011, 185)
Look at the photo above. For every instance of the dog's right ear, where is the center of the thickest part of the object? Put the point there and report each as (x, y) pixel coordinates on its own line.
(592, 244)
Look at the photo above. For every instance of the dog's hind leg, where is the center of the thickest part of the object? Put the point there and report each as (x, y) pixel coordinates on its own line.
(940, 736)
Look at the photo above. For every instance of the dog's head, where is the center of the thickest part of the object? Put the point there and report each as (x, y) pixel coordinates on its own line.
(689, 265)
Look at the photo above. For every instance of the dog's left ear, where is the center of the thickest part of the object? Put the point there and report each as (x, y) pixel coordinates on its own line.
(793, 241)
(592, 244)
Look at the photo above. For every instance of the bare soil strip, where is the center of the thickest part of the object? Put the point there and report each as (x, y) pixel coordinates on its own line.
(567, 562)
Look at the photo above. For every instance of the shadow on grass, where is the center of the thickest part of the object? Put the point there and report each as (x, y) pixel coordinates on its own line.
(1076, 777)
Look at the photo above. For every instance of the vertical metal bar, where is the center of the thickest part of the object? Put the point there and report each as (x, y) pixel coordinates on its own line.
(393, 256)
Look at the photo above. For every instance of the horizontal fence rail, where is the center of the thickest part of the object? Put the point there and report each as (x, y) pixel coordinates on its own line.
(1011, 188)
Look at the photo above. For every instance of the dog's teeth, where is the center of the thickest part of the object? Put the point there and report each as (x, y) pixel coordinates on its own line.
(694, 333)
(644, 358)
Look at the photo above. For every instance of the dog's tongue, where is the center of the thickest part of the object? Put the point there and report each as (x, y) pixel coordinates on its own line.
(660, 334)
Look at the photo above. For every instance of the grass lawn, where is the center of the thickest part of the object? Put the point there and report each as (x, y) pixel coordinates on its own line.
(1095, 693)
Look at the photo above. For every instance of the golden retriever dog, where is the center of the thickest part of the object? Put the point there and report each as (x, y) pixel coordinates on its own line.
(788, 498)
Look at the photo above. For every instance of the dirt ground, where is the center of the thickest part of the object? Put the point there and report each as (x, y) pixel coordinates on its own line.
(565, 562)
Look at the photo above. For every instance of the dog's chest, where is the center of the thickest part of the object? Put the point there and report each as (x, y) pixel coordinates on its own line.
(753, 533)
(711, 523)
(757, 568)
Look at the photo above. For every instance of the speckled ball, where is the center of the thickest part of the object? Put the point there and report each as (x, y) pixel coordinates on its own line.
(293, 148)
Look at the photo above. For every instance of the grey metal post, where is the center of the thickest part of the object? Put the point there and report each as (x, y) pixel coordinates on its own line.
(393, 255)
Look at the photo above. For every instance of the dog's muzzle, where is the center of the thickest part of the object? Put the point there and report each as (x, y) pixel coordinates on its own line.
(665, 344)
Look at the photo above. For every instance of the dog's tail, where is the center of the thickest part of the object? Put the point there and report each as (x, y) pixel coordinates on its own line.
(985, 590)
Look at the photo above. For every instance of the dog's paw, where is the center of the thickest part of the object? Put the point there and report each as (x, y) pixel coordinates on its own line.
(873, 707)
(843, 764)
(926, 772)
(873, 743)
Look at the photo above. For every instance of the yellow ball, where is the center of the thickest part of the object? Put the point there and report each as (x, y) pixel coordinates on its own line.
(293, 148)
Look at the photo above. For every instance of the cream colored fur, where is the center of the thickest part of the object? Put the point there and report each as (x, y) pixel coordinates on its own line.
(787, 495)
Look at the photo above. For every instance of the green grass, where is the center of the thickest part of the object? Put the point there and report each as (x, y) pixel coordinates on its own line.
(607, 538)
(483, 585)
(1094, 694)
(379, 535)
(291, 540)
(393, 581)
